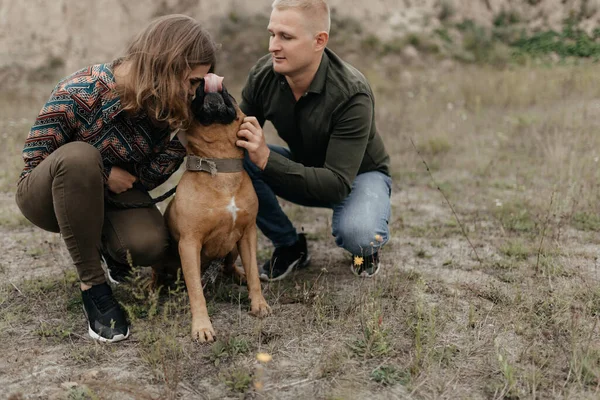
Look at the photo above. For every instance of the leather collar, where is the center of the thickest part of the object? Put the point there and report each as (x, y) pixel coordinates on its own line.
(214, 165)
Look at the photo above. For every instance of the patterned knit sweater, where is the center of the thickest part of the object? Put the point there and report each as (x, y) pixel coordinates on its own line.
(85, 107)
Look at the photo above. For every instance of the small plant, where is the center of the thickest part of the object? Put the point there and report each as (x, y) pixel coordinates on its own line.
(237, 379)
(332, 363)
(445, 354)
(223, 349)
(48, 330)
(435, 146)
(446, 10)
(591, 301)
(374, 342)
(472, 318)
(444, 35)
(421, 253)
(393, 46)
(423, 324)
(81, 393)
(505, 18)
(585, 365)
(507, 370)
(586, 221)
(570, 42)
(371, 43)
(142, 302)
(494, 294)
(516, 249)
(516, 217)
(390, 375)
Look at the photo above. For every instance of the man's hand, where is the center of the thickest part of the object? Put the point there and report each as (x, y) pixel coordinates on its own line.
(120, 180)
(254, 141)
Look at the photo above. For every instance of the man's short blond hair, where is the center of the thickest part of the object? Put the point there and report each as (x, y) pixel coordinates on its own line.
(317, 12)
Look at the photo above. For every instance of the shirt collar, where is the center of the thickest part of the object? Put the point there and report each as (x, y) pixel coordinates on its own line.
(318, 82)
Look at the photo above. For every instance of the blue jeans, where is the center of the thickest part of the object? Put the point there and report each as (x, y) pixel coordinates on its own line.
(356, 222)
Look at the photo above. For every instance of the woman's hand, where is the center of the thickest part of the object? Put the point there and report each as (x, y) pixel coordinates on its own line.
(254, 141)
(120, 180)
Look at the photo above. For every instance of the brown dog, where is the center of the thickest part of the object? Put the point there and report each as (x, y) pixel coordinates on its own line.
(215, 206)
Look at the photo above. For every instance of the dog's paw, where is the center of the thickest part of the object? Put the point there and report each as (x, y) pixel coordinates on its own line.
(203, 333)
(260, 309)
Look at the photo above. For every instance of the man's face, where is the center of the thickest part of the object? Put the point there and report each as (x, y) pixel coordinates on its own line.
(292, 45)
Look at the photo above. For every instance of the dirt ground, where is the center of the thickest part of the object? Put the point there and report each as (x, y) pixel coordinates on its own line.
(489, 287)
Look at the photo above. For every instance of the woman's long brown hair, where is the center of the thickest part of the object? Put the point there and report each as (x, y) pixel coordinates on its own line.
(160, 58)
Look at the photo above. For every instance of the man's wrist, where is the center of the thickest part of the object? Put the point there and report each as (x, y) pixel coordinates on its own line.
(266, 160)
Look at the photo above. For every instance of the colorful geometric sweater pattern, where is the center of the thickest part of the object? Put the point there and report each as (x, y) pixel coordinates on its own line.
(86, 107)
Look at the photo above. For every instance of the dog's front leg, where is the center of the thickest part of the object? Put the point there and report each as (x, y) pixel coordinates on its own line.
(189, 251)
(247, 249)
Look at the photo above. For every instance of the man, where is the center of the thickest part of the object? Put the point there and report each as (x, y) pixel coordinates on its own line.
(323, 108)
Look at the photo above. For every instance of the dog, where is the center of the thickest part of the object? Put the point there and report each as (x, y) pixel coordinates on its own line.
(213, 214)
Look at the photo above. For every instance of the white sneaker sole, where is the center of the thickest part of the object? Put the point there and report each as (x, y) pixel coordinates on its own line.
(364, 273)
(265, 278)
(104, 266)
(116, 338)
(111, 280)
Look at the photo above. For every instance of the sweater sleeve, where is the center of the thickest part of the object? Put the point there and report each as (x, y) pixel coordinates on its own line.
(55, 125)
(162, 165)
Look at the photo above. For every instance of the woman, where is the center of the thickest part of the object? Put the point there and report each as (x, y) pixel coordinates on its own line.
(109, 129)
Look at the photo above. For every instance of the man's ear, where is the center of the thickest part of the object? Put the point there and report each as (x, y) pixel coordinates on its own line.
(321, 40)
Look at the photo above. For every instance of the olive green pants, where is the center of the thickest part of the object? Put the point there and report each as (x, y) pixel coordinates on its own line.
(65, 194)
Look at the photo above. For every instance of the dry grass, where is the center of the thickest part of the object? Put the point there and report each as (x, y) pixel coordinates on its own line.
(516, 153)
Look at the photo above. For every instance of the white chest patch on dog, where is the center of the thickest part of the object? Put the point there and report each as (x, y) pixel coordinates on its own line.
(232, 208)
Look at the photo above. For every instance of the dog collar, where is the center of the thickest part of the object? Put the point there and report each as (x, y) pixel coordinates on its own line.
(214, 165)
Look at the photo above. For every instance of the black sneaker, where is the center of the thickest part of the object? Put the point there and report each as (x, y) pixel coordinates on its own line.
(285, 259)
(116, 272)
(106, 320)
(365, 267)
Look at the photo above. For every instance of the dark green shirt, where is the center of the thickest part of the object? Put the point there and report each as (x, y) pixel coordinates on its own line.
(330, 130)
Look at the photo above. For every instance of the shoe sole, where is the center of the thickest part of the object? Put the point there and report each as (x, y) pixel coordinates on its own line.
(104, 266)
(112, 280)
(367, 276)
(95, 336)
(116, 338)
(265, 278)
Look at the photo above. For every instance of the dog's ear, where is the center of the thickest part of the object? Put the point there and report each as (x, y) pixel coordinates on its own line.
(230, 104)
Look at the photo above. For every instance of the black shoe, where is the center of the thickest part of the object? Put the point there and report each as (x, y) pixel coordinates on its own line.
(106, 320)
(365, 267)
(285, 259)
(117, 272)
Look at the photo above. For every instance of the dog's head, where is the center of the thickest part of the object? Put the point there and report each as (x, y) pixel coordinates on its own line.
(212, 103)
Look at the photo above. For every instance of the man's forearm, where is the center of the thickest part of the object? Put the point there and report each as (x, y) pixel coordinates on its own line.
(305, 184)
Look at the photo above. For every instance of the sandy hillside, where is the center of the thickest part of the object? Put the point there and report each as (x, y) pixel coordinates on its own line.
(37, 33)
